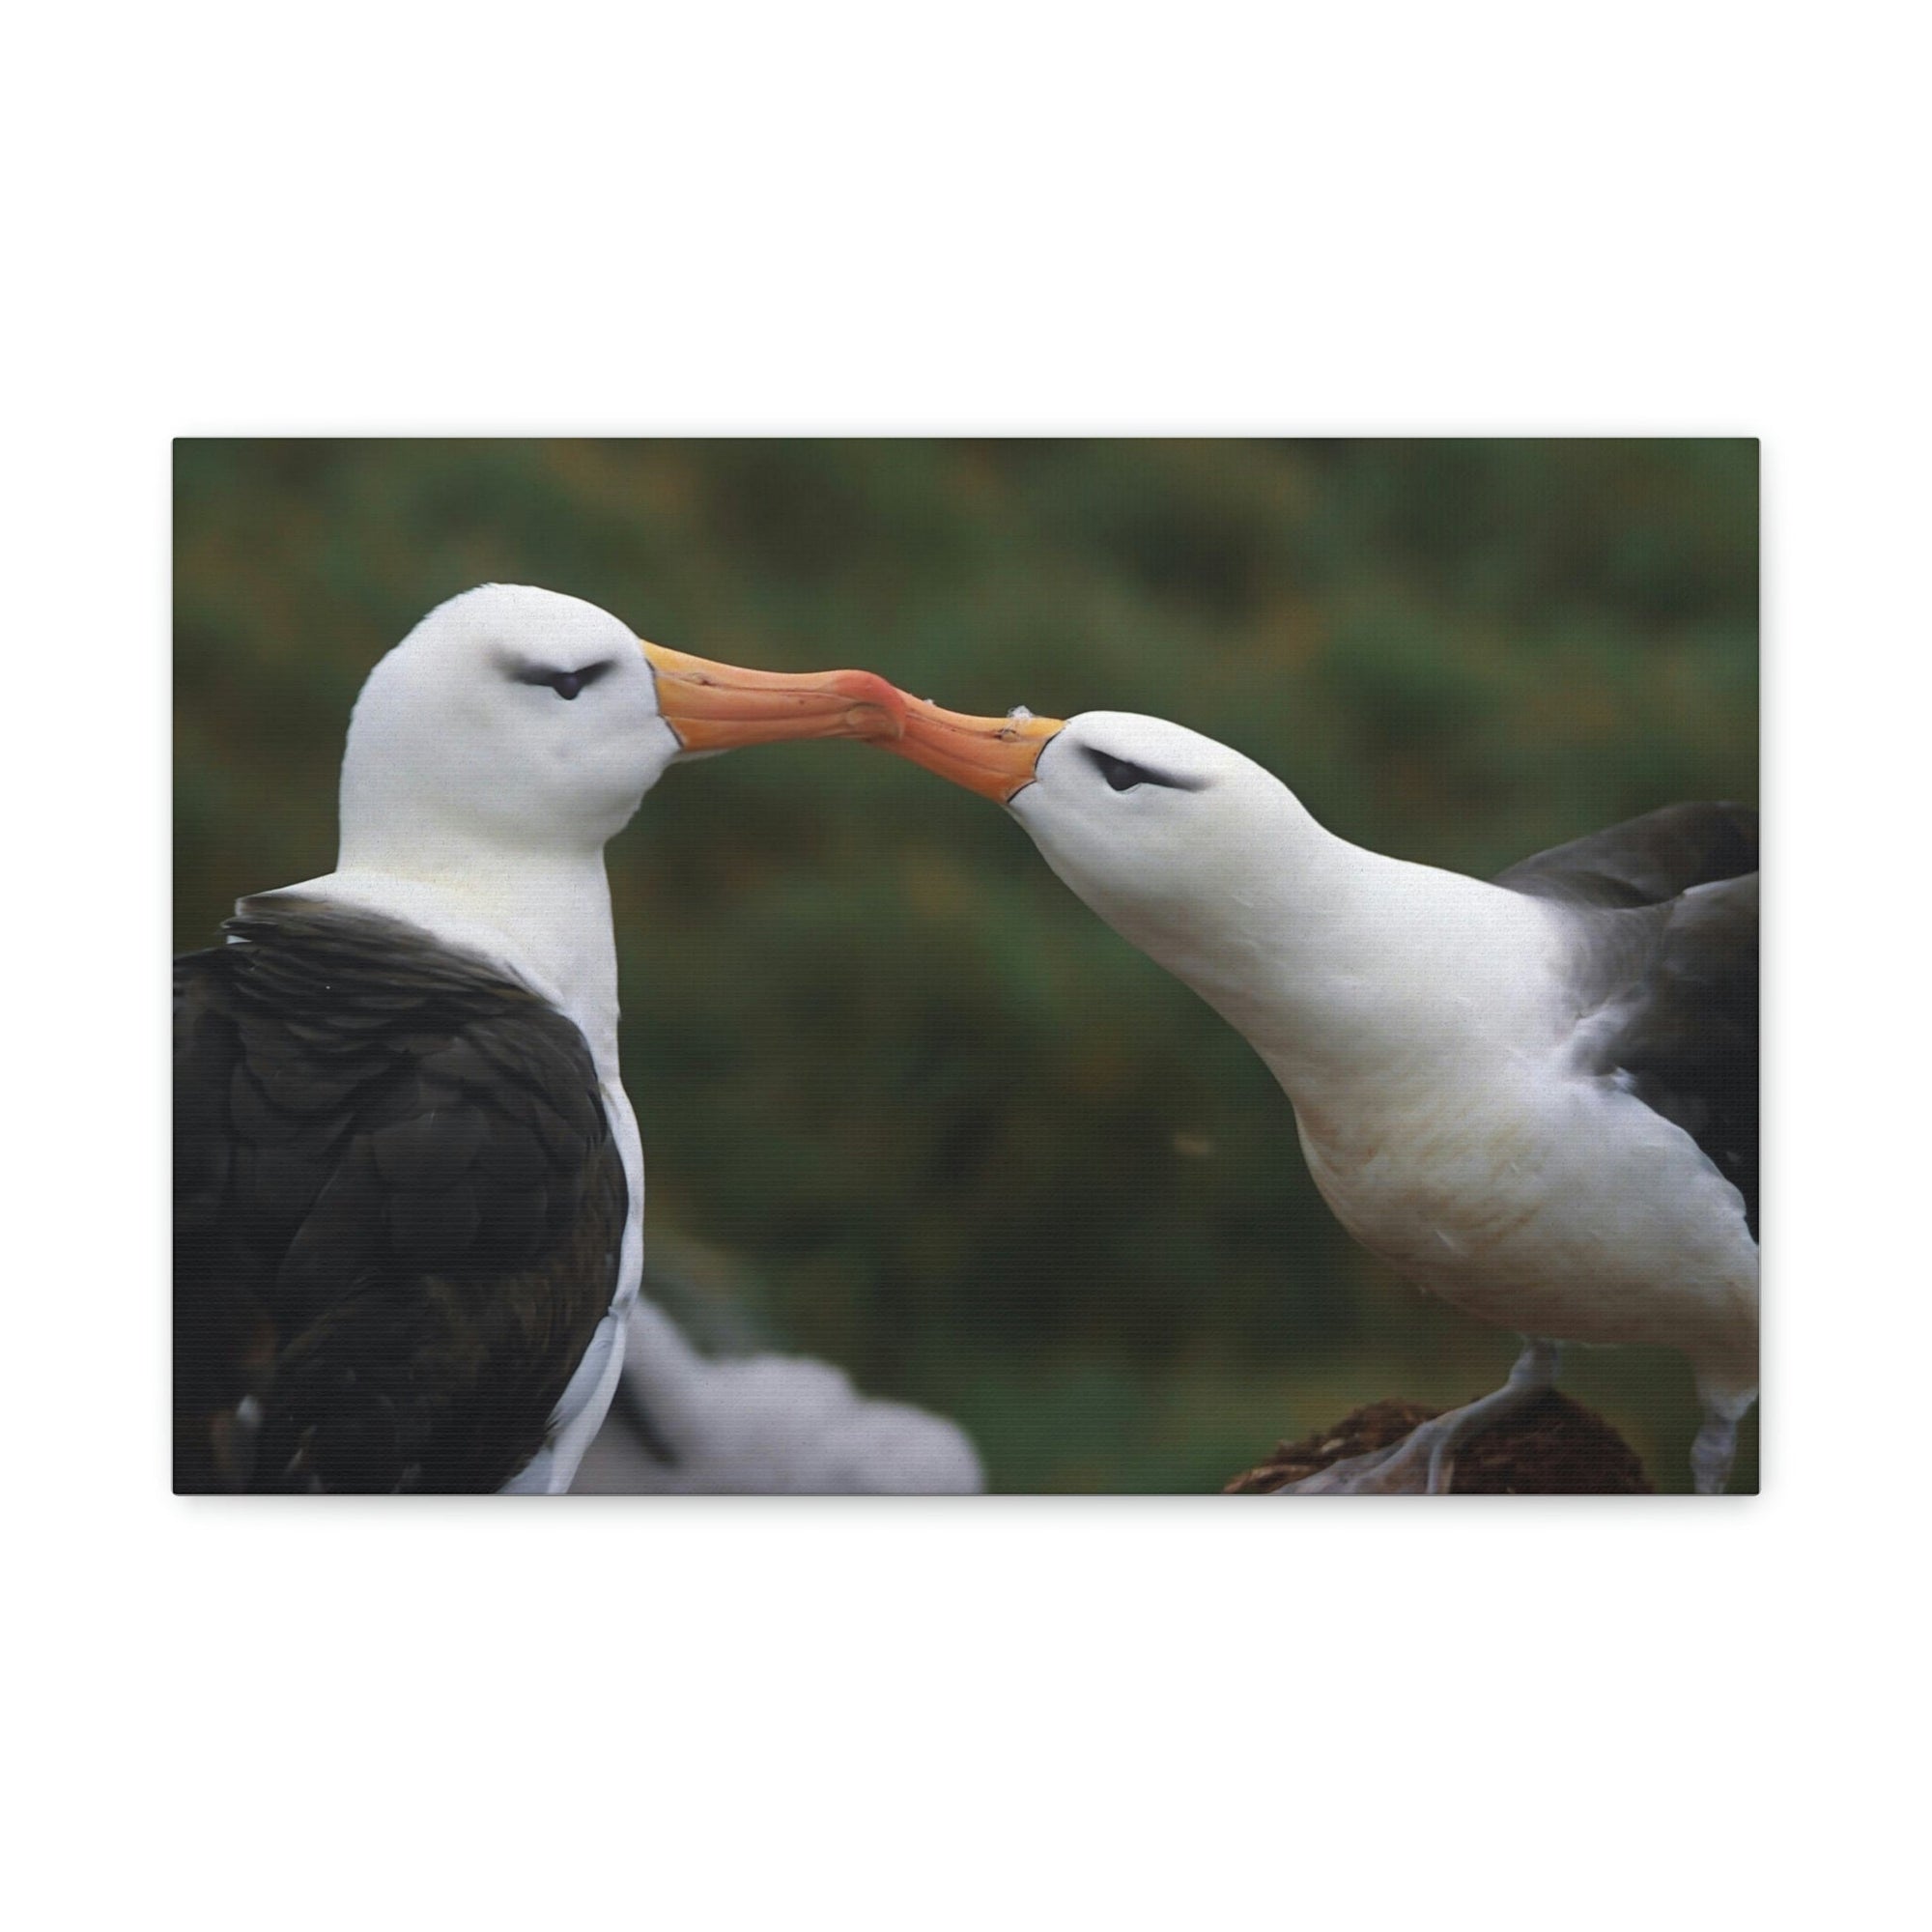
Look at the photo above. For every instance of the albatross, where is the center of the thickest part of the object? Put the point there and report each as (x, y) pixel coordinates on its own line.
(1535, 1096)
(758, 1423)
(409, 1183)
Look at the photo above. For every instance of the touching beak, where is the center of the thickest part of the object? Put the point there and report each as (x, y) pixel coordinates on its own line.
(994, 757)
(716, 707)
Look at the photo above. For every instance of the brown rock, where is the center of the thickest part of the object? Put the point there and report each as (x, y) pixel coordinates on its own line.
(1553, 1447)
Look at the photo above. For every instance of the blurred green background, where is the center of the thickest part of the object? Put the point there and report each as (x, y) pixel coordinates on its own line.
(906, 1103)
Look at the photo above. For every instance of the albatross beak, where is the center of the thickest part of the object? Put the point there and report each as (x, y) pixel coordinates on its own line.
(716, 707)
(994, 757)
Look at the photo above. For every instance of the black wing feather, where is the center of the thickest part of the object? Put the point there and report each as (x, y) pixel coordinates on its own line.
(1672, 952)
(399, 1210)
(1644, 860)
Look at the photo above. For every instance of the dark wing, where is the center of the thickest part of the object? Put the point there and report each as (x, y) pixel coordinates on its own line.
(1673, 976)
(399, 1210)
(1644, 860)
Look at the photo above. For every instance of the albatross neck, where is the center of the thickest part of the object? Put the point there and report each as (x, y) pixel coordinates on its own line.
(1339, 963)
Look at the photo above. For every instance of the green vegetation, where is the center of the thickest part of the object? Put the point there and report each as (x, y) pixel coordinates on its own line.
(905, 1101)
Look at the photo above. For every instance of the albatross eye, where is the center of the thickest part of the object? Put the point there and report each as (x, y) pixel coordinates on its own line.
(1123, 775)
(565, 683)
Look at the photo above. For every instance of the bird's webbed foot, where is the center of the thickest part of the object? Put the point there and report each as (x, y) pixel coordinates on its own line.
(1420, 1464)
(1423, 1462)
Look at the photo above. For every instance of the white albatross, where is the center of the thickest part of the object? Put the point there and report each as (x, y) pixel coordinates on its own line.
(762, 1424)
(409, 1182)
(1535, 1097)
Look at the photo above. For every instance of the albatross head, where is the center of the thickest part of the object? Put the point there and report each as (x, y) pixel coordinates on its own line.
(1317, 950)
(1158, 829)
(521, 720)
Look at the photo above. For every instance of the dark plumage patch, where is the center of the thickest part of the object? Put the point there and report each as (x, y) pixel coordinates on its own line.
(1123, 775)
(399, 1210)
(565, 683)
(1668, 906)
(1644, 862)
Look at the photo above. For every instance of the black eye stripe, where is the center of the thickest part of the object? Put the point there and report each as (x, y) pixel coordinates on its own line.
(1123, 775)
(565, 683)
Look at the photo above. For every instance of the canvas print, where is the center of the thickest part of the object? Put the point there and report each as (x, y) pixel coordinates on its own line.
(928, 966)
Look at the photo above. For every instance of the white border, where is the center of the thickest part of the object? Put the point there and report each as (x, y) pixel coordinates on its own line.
(1479, 219)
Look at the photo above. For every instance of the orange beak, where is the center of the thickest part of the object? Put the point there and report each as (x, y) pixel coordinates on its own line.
(716, 707)
(994, 757)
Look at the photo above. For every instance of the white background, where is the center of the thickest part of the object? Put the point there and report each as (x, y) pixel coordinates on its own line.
(1479, 219)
